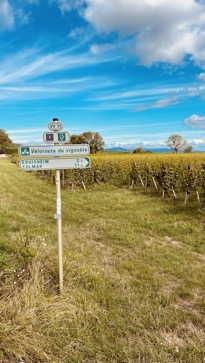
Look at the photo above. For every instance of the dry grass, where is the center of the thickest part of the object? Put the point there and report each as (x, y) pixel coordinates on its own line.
(133, 276)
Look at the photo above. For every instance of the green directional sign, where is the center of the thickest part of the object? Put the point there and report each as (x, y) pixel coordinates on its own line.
(54, 150)
(52, 164)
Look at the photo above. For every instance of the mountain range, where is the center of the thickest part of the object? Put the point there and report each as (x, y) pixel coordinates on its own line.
(122, 149)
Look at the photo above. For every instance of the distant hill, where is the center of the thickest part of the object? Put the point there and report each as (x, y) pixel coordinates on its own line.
(118, 149)
(162, 150)
(122, 149)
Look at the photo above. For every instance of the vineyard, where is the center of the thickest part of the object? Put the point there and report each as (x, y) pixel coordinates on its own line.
(169, 175)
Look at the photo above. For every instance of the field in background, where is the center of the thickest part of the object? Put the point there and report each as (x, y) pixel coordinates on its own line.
(133, 266)
(148, 156)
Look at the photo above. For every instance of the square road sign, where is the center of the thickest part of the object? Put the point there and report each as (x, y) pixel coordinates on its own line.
(61, 136)
(24, 151)
(49, 137)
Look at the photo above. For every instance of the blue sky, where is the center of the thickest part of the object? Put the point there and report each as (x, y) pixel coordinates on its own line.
(132, 70)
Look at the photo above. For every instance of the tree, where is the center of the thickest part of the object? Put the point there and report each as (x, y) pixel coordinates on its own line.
(188, 149)
(77, 139)
(94, 139)
(176, 143)
(140, 150)
(6, 144)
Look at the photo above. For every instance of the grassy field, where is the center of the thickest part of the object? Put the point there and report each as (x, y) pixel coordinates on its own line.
(149, 157)
(134, 277)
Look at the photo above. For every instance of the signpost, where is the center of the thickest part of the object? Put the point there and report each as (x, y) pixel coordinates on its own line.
(58, 217)
(49, 157)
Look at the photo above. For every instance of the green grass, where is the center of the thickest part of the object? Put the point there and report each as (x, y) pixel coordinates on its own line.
(133, 275)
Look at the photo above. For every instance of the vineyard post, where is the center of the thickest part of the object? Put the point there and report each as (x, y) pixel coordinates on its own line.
(141, 181)
(83, 184)
(132, 184)
(197, 196)
(155, 184)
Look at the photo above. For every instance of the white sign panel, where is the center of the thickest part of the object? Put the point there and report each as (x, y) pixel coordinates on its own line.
(55, 126)
(52, 164)
(55, 150)
(52, 137)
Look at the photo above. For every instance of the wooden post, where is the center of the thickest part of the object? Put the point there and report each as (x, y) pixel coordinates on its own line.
(145, 185)
(197, 196)
(132, 184)
(155, 184)
(173, 191)
(141, 181)
(83, 184)
(59, 225)
(186, 198)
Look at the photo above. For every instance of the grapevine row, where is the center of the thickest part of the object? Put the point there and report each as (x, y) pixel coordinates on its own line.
(172, 177)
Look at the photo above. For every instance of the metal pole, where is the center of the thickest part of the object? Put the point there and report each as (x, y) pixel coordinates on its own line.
(59, 225)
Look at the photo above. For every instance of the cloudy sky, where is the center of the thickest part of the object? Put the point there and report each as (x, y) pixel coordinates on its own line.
(133, 70)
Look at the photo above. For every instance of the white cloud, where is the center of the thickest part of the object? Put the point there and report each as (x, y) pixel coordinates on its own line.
(6, 15)
(197, 142)
(142, 92)
(74, 33)
(98, 49)
(32, 1)
(68, 5)
(35, 2)
(131, 145)
(195, 121)
(23, 17)
(166, 102)
(201, 76)
(30, 63)
(24, 131)
(164, 30)
(19, 75)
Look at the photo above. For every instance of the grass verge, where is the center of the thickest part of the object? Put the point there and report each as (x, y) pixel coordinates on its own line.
(133, 276)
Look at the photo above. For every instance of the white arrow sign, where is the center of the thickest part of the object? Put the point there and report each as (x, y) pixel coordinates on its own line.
(52, 164)
(54, 150)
